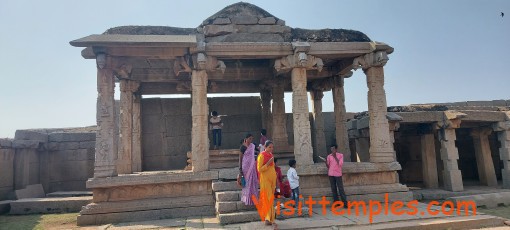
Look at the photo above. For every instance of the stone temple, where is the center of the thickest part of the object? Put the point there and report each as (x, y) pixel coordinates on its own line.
(152, 155)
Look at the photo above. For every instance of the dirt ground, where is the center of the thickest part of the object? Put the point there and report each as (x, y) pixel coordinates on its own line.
(47, 221)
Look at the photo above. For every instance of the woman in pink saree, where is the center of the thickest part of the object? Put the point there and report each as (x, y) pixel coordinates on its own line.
(248, 168)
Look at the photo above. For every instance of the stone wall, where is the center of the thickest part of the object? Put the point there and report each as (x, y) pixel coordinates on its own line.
(59, 159)
(166, 127)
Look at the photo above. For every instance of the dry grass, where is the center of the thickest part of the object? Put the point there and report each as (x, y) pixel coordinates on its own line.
(46, 221)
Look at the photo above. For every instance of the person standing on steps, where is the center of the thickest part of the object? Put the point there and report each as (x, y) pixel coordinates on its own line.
(216, 126)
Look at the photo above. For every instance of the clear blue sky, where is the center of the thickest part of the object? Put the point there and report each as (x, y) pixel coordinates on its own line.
(444, 50)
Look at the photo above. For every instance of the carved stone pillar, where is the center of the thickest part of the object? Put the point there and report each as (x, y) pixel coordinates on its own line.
(136, 157)
(342, 139)
(381, 148)
(486, 171)
(106, 144)
(124, 159)
(428, 161)
(302, 136)
(265, 101)
(279, 134)
(199, 116)
(452, 176)
(318, 124)
(503, 132)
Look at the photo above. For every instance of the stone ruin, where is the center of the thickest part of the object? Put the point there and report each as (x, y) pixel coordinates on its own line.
(152, 155)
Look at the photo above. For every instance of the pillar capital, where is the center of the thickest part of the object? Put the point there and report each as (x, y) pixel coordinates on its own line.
(317, 94)
(477, 132)
(208, 63)
(298, 60)
(129, 86)
(501, 126)
(450, 120)
(374, 59)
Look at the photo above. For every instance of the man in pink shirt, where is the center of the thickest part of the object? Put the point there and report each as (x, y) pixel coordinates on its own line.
(334, 162)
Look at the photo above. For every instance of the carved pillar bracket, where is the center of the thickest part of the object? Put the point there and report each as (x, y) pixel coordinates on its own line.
(503, 131)
(298, 60)
(376, 59)
(106, 136)
(181, 66)
(209, 63)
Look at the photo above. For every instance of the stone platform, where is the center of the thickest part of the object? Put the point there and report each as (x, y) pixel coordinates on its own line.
(441, 194)
(149, 196)
(49, 205)
(330, 221)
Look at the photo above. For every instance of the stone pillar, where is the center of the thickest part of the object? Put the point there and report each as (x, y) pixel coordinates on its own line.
(484, 163)
(503, 132)
(318, 124)
(199, 116)
(342, 139)
(279, 135)
(124, 159)
(428, 161)
(302, 137)
(381, 148)
(362, 148)
(137, 135)
(106, 144)
(265, 101)
(452, 176)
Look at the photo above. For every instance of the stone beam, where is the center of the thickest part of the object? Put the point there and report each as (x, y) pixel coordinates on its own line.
(184, 87)
(245, 50)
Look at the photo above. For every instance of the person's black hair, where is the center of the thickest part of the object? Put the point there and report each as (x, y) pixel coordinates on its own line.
(214, 113)
(275, 160)
(334, 145)
(248, 135)
(268, 142)
(292, 163)
(263, 131)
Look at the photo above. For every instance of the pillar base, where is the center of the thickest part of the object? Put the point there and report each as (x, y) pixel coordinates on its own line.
(453, 180)
(382, 155)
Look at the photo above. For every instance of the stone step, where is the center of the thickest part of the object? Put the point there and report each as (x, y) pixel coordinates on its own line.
(489, 200)
(148, 204)
(462, 222)
(228, 196)
(249, 216)
(49, 205)
(221, 165)
(5, 206)
(69, 193)
(232, 206)
(219, 186)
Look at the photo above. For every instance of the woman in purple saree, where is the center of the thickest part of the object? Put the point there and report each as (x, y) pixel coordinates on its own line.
(248, 168)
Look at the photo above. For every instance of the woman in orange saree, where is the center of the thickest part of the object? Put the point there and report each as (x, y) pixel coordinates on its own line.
(267, 178)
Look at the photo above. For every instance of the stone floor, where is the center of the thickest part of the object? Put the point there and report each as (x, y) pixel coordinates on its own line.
(470, 188)
(422, 220)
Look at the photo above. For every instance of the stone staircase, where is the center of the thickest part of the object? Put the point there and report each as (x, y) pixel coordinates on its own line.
(228, 205)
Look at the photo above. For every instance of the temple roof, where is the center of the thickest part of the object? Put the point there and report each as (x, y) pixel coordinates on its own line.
(245, 22)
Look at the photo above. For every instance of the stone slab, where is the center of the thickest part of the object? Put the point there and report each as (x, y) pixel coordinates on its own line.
(221, 21)
(69, 194)
(267, 21)
(219, 186)
(489, 200)
(147, 204)
(49, 205)
(64, 137)
(98, 219)
(5, 143)
(5, 206)
(245, 20)
(228, 196)
(31, 135)
(350, 167)
(152, 178)
(25, 144)
(31, 191)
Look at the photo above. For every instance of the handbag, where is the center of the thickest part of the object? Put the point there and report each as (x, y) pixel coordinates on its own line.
(241, 182)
